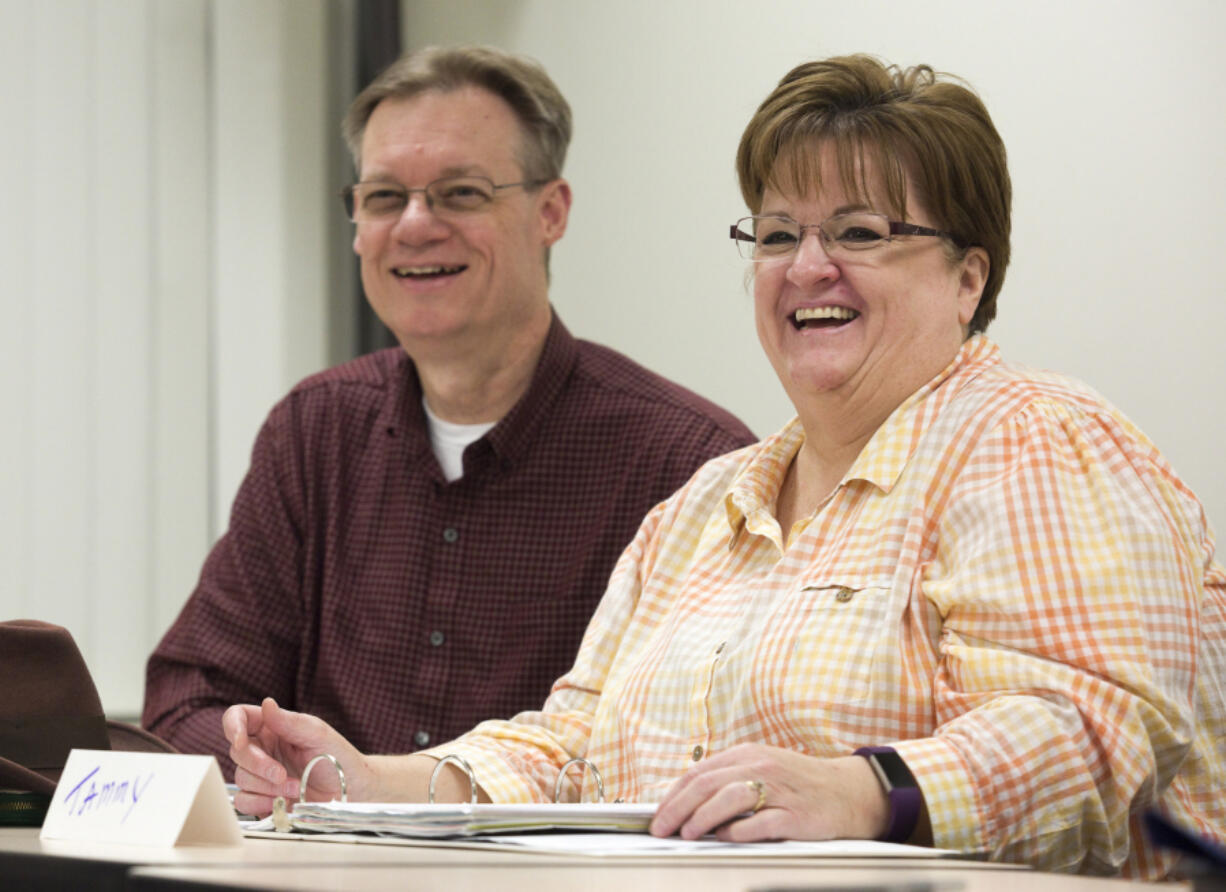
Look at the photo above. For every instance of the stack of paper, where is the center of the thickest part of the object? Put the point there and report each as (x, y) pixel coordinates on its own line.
(465, 819)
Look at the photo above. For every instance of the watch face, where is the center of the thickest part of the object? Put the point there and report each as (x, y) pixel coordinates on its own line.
(892, 771)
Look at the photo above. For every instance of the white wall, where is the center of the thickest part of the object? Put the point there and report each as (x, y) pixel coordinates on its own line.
(1111, 112)
(104, 467)
(166, 183)
(272, 203)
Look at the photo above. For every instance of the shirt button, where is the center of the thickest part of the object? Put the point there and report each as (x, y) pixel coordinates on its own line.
(697, 754)
(843, 595)
(421, 738)
(437, 638)
(451, 535)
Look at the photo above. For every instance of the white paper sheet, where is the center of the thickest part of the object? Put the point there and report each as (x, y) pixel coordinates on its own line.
(502, 827)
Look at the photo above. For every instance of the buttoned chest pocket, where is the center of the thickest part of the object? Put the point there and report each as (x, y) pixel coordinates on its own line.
(831, 637)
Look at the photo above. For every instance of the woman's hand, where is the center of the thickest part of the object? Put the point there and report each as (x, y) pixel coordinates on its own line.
(802, 797)
(270, 746)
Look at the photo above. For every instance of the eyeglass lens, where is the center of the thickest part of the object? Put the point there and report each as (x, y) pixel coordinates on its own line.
(770, 237)
(373, 202)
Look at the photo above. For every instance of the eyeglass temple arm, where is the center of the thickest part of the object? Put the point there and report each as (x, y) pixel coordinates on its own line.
(736, 234)
(897, 228)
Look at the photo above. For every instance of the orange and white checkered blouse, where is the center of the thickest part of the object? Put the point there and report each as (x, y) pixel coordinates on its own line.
(1010, 586)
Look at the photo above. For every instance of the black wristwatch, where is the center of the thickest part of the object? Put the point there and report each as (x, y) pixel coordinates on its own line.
(900, 788)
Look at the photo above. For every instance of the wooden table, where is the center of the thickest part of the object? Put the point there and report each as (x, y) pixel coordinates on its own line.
(261, 864)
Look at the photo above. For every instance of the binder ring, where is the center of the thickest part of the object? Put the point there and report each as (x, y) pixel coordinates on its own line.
(557, 784)
(306, 773)
(468, 769)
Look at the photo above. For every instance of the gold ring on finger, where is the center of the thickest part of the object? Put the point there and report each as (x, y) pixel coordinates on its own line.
(758, 787)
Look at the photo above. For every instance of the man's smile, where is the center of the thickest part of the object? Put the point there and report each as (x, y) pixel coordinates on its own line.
(426, 272)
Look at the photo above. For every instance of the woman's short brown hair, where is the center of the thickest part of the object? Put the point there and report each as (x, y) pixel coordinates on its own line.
(543, 113)
(914, 125)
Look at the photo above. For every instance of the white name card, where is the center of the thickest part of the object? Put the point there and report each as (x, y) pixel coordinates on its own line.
(154, 799)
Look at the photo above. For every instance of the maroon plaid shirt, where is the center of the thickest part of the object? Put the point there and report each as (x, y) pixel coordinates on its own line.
(354, 583)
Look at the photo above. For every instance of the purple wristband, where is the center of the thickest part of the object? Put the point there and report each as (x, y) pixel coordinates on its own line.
(900, 788)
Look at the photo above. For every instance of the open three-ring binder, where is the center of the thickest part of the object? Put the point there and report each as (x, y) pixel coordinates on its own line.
(435, 820)
(517, 827)
(438, 820)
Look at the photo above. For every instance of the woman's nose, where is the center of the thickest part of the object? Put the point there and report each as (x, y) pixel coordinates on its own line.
(811, 262)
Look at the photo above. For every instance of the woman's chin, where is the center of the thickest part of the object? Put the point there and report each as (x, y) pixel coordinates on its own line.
(811, 379)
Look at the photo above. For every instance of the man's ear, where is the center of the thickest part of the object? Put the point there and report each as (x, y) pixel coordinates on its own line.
(972, 280)
(554, 207)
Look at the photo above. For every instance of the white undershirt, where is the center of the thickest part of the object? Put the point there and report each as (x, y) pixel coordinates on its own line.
(449, 440)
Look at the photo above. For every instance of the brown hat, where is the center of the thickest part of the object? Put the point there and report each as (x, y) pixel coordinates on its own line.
(49, 705)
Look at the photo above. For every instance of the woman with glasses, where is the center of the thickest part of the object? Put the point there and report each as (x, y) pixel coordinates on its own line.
(954, 602)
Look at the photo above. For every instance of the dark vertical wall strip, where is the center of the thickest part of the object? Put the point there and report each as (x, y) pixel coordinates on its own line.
(378, 33)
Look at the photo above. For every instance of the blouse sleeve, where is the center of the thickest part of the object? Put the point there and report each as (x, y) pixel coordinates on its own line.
(1069, 583)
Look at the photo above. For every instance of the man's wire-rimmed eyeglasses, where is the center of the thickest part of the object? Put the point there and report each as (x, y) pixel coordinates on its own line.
(377, 201)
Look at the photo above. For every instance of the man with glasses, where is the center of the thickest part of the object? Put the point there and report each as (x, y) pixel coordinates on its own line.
(425, 531)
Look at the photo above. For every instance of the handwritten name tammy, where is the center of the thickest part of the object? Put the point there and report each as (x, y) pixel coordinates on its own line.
(96, 794)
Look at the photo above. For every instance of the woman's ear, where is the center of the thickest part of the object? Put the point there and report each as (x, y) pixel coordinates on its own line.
(972, 279)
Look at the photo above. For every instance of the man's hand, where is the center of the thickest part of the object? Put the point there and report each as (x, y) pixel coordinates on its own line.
(270, 746)
(802, 797)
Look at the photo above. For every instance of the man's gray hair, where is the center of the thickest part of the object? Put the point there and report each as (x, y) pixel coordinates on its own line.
(543, 113)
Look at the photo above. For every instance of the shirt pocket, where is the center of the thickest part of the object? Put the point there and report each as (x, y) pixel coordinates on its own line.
(834, 631)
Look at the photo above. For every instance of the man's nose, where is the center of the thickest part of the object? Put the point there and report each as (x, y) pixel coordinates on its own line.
(419, 221)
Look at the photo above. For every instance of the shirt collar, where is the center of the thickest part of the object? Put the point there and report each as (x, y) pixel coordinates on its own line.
(512, 436)
(883, 458)
(756, 487)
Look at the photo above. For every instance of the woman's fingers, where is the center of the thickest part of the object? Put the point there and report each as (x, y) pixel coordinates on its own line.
(735, 802)
(701, 800)
(755, 792)
(248, 782)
